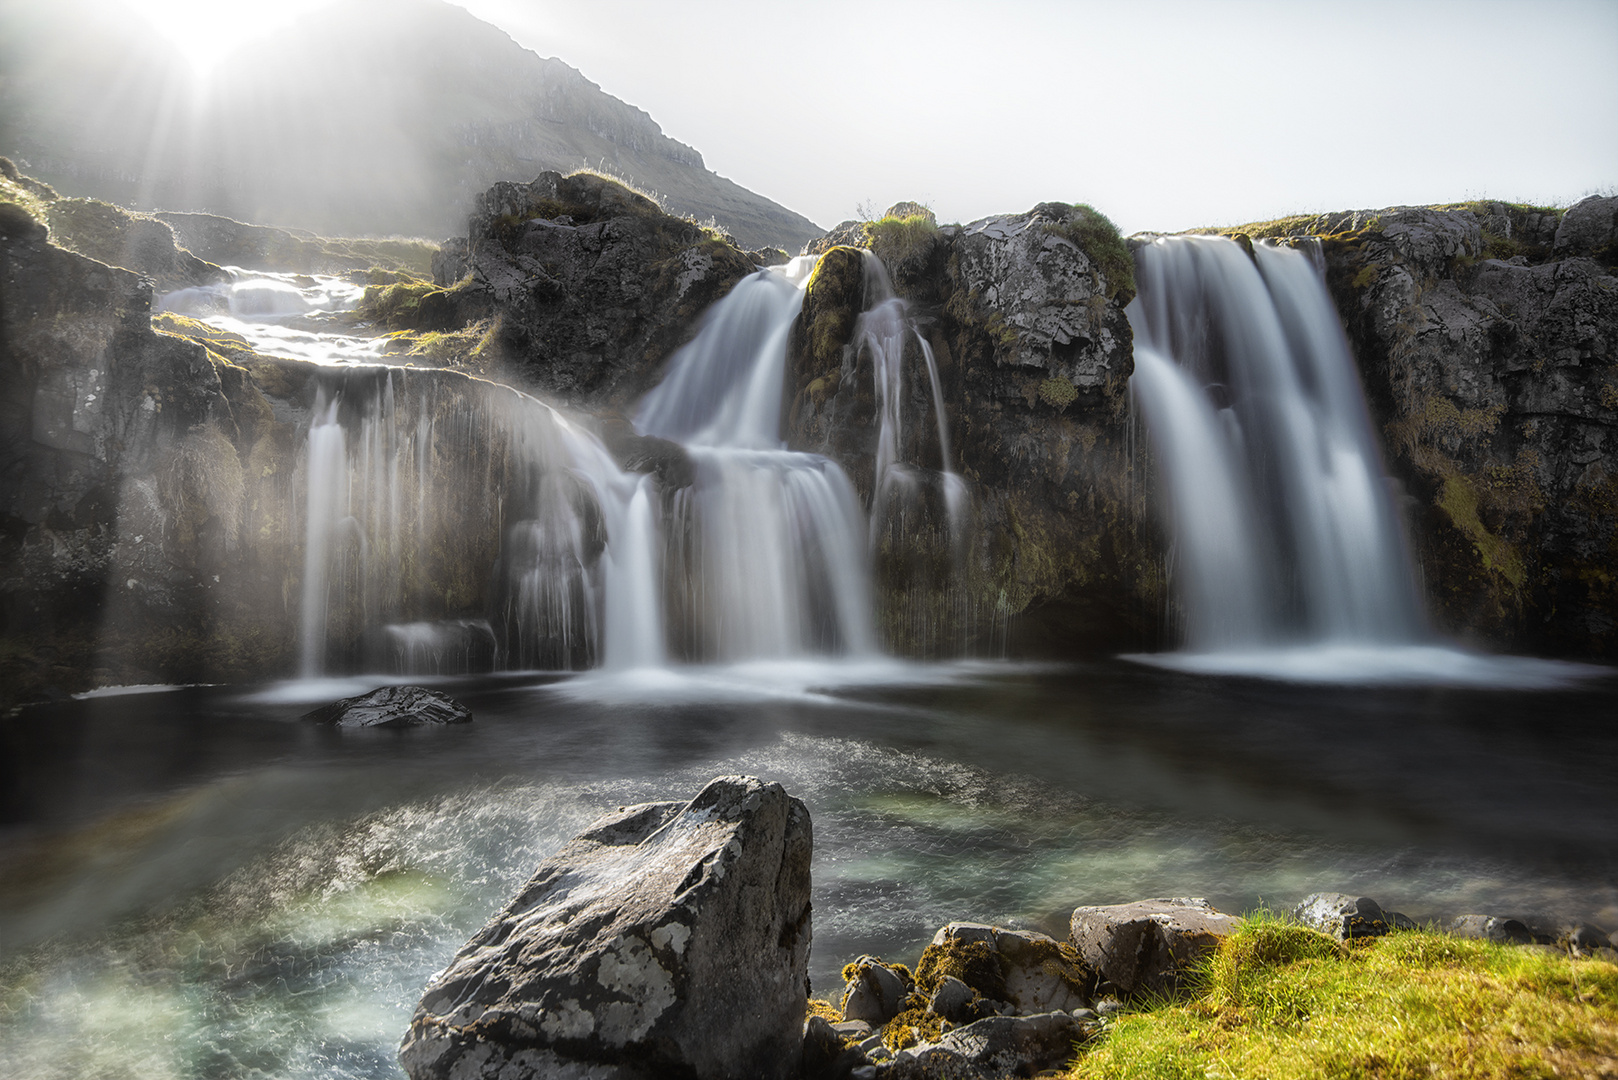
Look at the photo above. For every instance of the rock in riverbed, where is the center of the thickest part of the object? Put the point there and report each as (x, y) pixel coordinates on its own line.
(667, 940)
(392, 707)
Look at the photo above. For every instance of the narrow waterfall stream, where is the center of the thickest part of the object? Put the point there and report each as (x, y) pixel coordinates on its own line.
(770, 557)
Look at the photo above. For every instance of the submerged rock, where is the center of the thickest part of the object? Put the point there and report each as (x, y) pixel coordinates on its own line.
(1147, 946)
(392, 707)
(665, 940)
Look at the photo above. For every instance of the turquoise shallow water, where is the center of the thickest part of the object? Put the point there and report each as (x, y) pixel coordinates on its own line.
(193, 884)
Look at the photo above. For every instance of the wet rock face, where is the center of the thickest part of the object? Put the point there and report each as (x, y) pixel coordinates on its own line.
(667, 940)
(592, 285)
(1494, 379)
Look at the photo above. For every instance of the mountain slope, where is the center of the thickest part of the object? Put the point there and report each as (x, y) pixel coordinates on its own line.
(369, 116)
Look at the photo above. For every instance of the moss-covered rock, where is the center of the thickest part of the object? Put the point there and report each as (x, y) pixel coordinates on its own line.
(588, 285)
(1023, 316)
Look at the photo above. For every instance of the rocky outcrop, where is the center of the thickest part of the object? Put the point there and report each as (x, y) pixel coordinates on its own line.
(668, 939)
(131, 462)
(392, 707)
(1487, 337)
(1023, 316)
(591, 285)
(261, 247)
(1018, 971)
(1149, 946)
(136, 242)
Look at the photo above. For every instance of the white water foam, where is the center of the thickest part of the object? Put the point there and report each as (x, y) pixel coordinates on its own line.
(1366, 664)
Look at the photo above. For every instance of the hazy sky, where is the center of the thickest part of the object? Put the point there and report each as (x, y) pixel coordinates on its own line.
(1163, 115)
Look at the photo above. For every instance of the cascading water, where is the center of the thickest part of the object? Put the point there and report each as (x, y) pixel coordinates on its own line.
(767, 549)
(418, 482)
(882, 332)
(1285, 527)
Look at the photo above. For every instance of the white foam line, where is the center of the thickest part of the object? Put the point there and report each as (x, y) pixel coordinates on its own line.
(1383, 665)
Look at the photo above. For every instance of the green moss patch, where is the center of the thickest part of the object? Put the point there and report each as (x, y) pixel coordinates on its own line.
(1458, 498)
(975, 963)
(900, 239)
(1283, 1002)
(1095, 234)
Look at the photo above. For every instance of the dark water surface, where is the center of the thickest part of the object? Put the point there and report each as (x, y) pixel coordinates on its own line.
(194, 883)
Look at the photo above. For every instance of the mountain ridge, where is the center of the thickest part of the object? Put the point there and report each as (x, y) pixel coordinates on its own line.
(363, 118)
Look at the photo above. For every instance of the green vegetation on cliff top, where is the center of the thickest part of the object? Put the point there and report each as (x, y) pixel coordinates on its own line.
(1098, 237)
(1280, 1001)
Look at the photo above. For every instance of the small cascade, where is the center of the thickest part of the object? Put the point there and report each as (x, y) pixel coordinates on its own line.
(882, 332)
(1286, 530)
(418, 483)
(281, 314)
(766, 556)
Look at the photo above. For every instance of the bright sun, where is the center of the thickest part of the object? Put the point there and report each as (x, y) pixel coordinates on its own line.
(203, 30)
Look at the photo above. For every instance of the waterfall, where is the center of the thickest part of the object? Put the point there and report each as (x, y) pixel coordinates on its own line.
(451, 524)
(769, 555)
(882, 332)
(1285, 527)
(418, 483)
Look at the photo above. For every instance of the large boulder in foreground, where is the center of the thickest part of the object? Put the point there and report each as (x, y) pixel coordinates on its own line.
(1148, 946)
(667, 940)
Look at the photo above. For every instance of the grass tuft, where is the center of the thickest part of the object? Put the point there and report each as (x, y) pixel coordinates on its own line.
(1280, 1001)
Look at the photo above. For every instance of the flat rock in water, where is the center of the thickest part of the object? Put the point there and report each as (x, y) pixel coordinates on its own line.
(1146, 946)
(667, 940)
(392, 707)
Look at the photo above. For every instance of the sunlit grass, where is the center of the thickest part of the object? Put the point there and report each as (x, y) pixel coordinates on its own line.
(1278, 1000)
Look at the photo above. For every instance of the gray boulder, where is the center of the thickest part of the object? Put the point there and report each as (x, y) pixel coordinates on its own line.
(998, 1046)
(1344, 916)
(1590, 227)
(1491, 928)
(826, 1053)
(952, 1000)
(666, 940)
(874, 991)
(1147, 946)
(392, 707)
